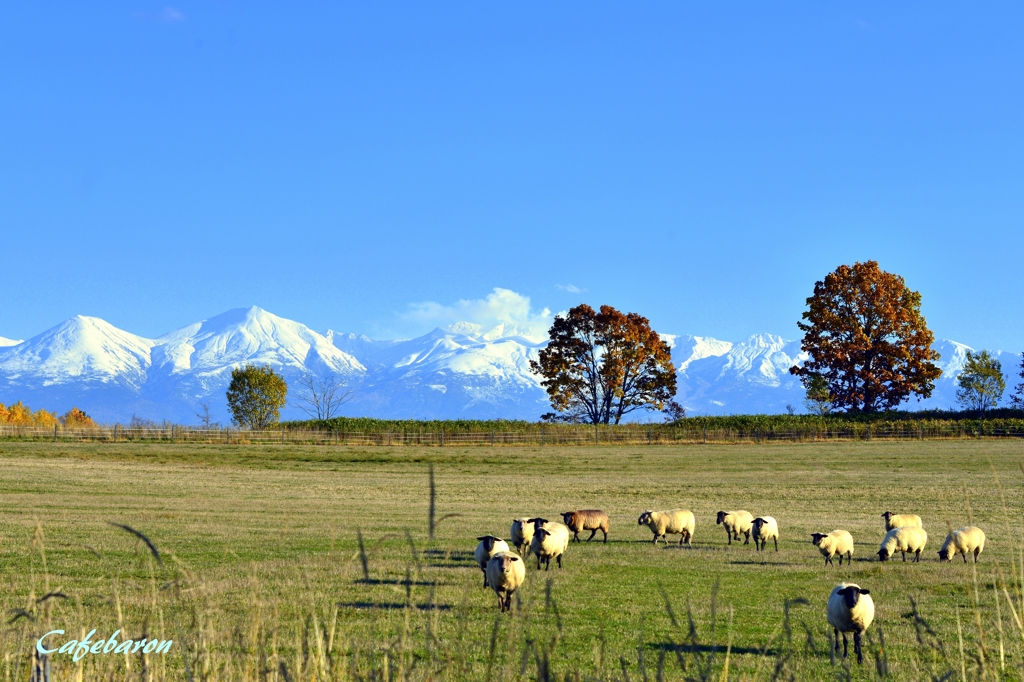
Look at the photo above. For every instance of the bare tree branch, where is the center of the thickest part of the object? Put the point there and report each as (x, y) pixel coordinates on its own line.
(321, 397)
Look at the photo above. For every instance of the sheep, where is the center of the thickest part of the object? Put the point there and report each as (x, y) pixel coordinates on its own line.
(488, 547)
(521, 534)
(505, 573)
(586, 519)
(765, 528)
(837, 542)
(963, 541)
(550, 540)
(900, 520)
(907, 539)
(677, 521)
(850, 609)
(736, 523)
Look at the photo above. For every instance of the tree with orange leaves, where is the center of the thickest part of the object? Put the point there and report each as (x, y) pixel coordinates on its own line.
(599, 367)
(77, 419)
(867, 338)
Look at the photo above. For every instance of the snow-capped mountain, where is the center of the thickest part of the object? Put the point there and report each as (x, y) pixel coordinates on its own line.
(460, 371)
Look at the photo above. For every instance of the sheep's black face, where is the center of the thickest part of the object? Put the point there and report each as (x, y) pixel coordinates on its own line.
(537, 521)
(851, 595)
(816, 538)
(644, 518)
(887, 515)
(567, 517)
(721, 517)
(883, 555)
(542, 534)
(944, 556)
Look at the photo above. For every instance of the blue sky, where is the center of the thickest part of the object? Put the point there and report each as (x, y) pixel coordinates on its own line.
(367, 166)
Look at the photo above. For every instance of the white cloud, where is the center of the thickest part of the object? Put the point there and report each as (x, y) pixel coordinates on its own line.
(500, 307)
(168, 15)
(571, 288)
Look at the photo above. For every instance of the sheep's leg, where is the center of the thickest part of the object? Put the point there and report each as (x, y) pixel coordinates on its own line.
(845, 650)
(559, 561)
(593, 533)
(828, 560)
(917, 557)
(776, 544)
(747, 541)
(904, 554)
(977, 551)
(689, 540)
(728, 534)
(605, 536)
(835, 635)
(485, 581)
(857, 648)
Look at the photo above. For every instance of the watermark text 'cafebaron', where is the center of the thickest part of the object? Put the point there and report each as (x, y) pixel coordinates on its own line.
(78, 649)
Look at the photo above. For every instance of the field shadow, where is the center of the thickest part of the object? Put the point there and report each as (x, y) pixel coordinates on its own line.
(396, 581)
(707, 649)
(392, 606)
(449, 559)
(765, 562)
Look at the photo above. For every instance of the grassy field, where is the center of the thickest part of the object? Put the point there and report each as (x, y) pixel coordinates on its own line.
(262, 576)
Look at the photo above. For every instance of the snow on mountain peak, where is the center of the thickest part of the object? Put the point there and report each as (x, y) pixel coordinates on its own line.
(81, 348)
(8, 342)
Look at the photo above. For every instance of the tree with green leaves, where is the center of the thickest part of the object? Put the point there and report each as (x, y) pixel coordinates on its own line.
(1017, 397)
(818, 400)
(980, 383)
(256, 396)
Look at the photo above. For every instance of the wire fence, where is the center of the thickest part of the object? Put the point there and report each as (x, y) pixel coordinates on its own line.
(555, 435)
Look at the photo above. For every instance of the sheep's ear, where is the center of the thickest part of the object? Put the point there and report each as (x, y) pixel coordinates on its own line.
(514, 558)
(483, 537)
(865, 591)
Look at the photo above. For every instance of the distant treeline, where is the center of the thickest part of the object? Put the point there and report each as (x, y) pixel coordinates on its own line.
(897, 420)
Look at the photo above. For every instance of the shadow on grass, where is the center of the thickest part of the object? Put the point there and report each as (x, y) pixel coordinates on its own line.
(707, 649)
(458, 558)
(396, 581)
(392, 606)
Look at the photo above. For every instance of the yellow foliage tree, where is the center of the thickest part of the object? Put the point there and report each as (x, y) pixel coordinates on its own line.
(77, 419)
(20, 414)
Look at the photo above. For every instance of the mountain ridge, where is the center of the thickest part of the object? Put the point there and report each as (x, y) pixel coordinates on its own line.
(463, 370)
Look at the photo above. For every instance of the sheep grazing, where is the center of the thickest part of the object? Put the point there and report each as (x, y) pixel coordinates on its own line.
(850, 609)
(505, 573)
(736, 523)
(900, 520)
(765, 528)
(907, 539)
(488, 547)
(830, 544)
(676, 522)
(521, 534)
(963, 541)
(550, 540)
(586, 519)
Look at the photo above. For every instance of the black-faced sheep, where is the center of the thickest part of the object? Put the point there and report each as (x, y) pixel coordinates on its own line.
(505, 573)
(488, 547)
(765, 528)
(850, 609)
(907, 539)
(736, 523)
(676, 522)
(964, 541)
(900, 520)
(830, 544)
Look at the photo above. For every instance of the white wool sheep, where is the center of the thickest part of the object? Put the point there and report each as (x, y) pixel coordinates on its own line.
(488, 547)
(900, 520)
(963, 541)
(850, 609)
(736, 523)
(765, 528)
(676, 522)
(830, 544)
(550, 540)
(521, 534)
(907, 539)
(505, 573)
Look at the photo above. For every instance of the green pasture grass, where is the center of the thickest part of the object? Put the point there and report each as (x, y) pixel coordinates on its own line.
(263, 577)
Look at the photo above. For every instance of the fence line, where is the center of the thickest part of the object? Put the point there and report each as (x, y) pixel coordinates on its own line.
(560, 435)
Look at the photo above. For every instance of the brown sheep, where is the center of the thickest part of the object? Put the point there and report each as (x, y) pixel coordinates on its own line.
(586, 519)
